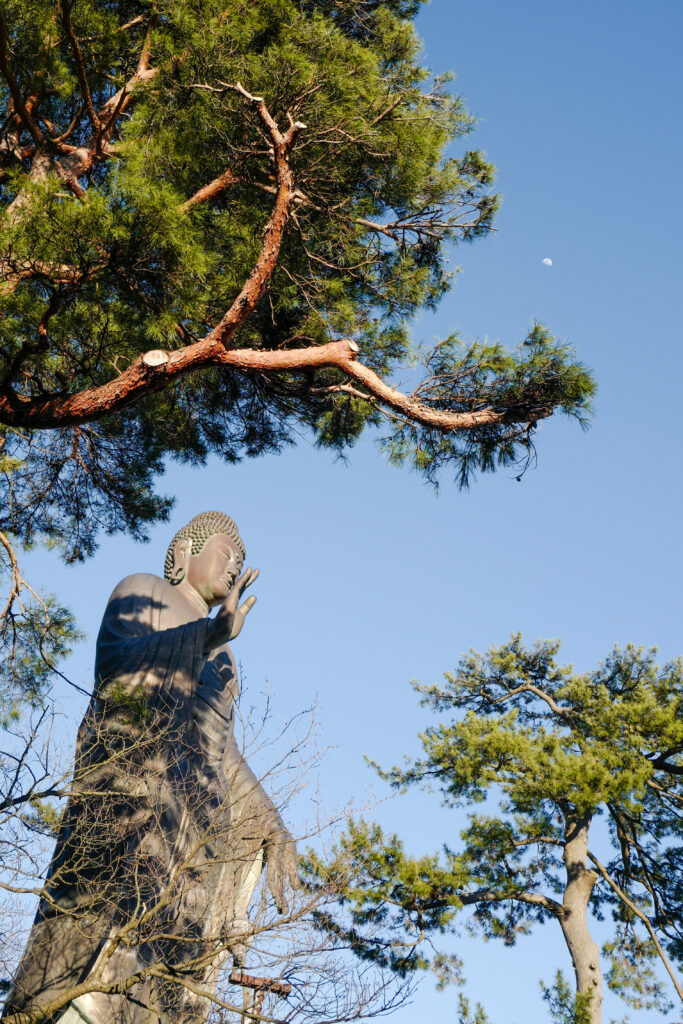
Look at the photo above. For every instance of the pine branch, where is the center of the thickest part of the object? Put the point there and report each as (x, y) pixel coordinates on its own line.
(642, 917)
(535, 899)
(154, 370)
(209, 191)
(13, 85)
(80, 67)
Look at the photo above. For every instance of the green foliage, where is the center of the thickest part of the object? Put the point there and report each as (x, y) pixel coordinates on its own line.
(542, 734)
(128, 706)
(390, 901)
(566, 1006)
(146, 265)
(632, 960)
(42, 816)
(541, 376)
(36, 633)
(36, 630)
(554, 746)
(468, 1016)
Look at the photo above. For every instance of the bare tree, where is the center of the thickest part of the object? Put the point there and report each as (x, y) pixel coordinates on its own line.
(162, 950)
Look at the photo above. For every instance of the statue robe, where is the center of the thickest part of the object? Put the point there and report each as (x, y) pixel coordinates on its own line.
(164, 828)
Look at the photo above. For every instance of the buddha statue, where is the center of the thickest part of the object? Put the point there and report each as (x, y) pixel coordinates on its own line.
(166, 829)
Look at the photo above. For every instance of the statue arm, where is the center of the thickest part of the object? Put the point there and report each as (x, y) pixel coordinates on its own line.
(255, 810)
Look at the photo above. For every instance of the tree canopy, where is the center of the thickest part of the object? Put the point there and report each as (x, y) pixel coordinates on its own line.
(218, 220)
(566, 766)
(259, 191)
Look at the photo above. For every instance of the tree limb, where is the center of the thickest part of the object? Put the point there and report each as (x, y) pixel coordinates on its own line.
(538, 692)
(207, 192)
(75, 161)
(112, 988)
(13, 86)
(80, 66)
(151, 372)
(155, 370)
(663, 764)
(536, 899)
(642, 917)
(387, 110)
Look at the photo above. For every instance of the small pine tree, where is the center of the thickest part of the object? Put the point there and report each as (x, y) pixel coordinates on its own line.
(551, 751)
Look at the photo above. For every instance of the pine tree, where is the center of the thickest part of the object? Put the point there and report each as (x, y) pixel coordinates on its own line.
(551, 753)
(218, 221)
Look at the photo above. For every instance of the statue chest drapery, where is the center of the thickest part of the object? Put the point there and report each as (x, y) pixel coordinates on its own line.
(153, 682)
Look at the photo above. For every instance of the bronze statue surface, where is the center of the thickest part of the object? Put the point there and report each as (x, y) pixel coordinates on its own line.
(166, 828)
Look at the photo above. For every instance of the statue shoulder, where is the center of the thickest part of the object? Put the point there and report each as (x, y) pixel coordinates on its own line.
(141, 602)
(139, 605)
(139, 584)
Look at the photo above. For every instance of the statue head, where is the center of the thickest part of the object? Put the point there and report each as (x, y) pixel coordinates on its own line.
(207, 555)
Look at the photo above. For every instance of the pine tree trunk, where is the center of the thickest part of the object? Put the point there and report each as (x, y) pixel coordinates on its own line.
(585, 953)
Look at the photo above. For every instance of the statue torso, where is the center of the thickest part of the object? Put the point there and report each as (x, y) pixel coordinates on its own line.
(137, 646)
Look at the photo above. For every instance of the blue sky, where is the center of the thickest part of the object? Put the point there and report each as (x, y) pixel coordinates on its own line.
(369, 579)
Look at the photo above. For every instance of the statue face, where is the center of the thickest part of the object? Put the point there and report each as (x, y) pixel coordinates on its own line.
(214, 570)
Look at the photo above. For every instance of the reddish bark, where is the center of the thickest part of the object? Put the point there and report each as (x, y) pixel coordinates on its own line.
(143, 378)
(207, 192)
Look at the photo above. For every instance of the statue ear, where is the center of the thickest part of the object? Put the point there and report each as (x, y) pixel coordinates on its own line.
(181, 560)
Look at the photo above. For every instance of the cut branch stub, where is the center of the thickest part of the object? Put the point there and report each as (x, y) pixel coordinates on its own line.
(155, 358)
